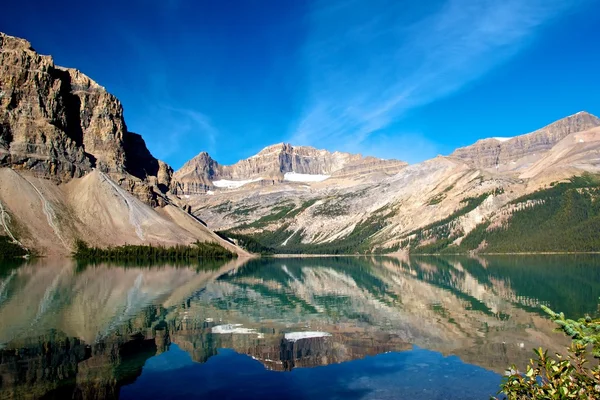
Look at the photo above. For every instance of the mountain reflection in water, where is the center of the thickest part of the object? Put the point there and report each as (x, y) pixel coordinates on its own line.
(105, 331)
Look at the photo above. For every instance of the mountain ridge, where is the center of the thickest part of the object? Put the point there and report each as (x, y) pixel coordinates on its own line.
(442, 200)
(490, 152)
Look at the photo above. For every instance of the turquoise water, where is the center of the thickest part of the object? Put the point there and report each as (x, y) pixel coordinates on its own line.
(368, 328)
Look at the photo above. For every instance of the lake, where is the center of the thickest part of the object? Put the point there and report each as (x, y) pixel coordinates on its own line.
(297, 328)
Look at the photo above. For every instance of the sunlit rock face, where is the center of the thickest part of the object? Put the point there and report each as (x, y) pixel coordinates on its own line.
(70, 169)
(59, 124)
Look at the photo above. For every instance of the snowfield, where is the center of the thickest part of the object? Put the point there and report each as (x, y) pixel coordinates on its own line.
(502, 139)
(293, 336)
(224, 183)
(232, 328)
(295, 177)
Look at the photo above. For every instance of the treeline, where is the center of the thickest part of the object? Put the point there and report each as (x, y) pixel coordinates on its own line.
(201, 264)
(8, 249)
(566, 218)
(195, 251)
(567, 221)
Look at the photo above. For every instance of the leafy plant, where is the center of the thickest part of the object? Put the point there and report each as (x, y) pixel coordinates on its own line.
(560, 377)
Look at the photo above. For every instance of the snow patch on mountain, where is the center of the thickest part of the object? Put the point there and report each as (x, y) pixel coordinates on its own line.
(232, 328)
(293, 336)
(224, 183)
(295, 177)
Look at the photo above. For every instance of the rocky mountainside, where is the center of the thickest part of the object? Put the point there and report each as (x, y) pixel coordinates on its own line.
(276, 164)
(70, 169)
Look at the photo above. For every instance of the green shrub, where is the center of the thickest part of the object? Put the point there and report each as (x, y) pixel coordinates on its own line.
(8, 249)
(560, 377)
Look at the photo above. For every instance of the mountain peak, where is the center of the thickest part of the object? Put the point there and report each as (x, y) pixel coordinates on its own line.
(275, 164)
(274, 148)
(584, 113)
(8, 42)
(577, 122)
(79, 126)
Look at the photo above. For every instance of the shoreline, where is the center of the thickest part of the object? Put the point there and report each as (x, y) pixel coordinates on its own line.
(252, 256)
(549, 253)
(541, 253)
(323, 255)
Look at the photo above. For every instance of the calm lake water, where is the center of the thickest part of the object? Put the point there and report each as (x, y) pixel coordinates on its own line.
(297, 328)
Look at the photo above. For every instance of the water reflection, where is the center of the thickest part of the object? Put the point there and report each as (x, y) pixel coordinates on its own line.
(86, 332)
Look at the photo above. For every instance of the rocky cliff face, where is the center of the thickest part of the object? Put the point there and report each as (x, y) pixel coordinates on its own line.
(487, 153)
(60, 124)
(272, 163)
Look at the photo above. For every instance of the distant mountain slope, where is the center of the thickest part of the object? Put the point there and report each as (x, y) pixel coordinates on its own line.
(428, 206)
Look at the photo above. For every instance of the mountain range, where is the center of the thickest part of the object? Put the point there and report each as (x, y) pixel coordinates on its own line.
(290, 199)
(70, 169)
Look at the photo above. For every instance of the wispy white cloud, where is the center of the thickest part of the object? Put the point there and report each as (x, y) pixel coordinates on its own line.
(180, 126)
(196, 122)
(411, 147)
(369, 63)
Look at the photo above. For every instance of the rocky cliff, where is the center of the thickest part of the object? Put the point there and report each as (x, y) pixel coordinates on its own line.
(271, 165)
(494, 152)
(70, 169)
(59, 124)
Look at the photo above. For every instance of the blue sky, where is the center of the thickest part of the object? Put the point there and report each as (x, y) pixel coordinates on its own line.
(389, 78)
